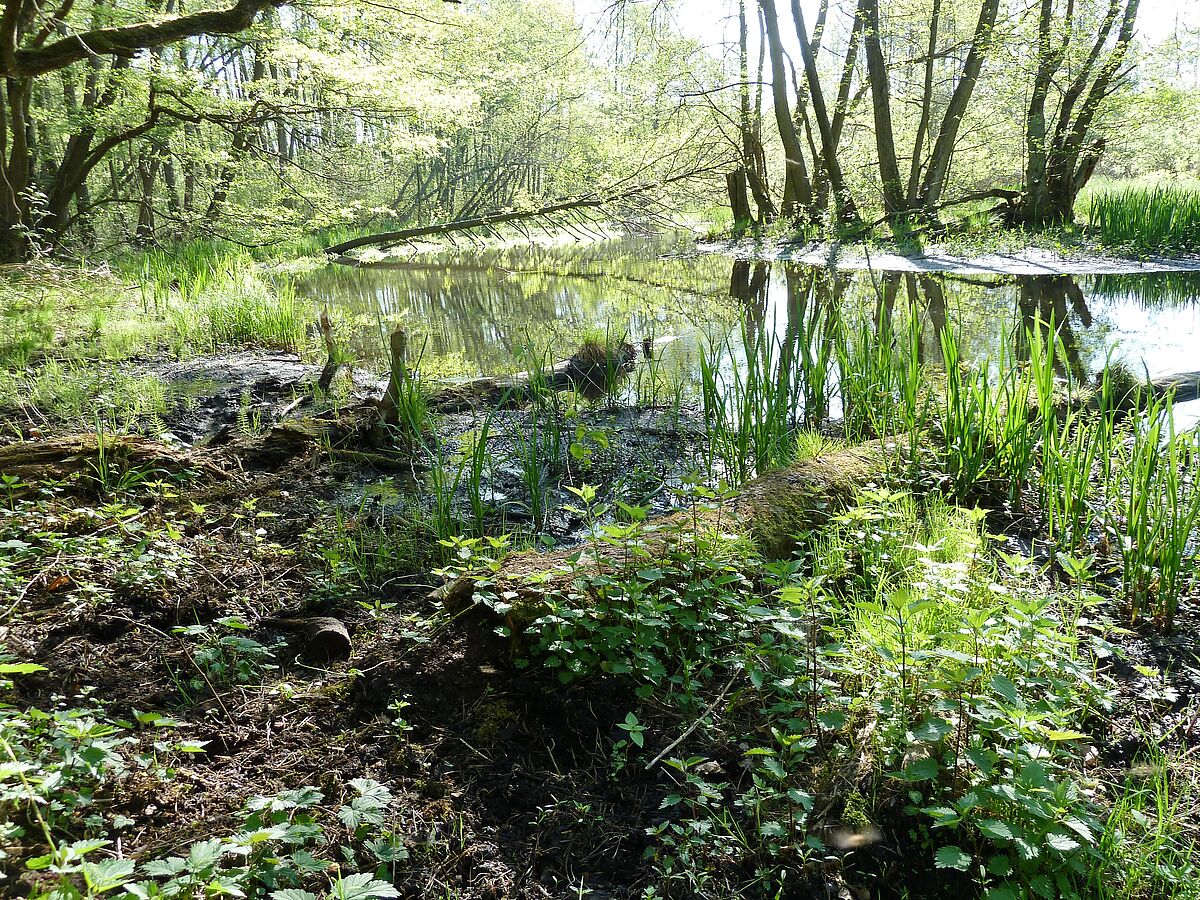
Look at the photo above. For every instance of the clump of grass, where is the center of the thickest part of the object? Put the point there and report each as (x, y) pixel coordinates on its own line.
(235, 305)
(1147, 218)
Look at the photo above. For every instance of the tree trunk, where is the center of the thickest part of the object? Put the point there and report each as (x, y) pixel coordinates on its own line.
(739, 198)
(881, 102)
(798, 193)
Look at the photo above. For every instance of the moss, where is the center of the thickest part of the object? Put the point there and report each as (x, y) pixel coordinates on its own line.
(490, 720)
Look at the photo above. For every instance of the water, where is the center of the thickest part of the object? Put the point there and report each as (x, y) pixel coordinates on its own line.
(497, 311)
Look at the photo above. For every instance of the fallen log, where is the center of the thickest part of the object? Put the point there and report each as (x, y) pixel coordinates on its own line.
(1182, 386)
(488, 222)
(93, 454)
(589, 370)
(772, 512)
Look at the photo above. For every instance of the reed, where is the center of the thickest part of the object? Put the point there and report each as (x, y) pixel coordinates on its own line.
(750, 404)
(1147, 218)
(1153, 510)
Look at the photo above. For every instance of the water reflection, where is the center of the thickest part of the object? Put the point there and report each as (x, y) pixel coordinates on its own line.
(486, 313)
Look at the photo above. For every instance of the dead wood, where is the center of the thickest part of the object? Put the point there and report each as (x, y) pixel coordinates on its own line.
(589, 371)
(89, 453)
(319, 638)
(771, 513)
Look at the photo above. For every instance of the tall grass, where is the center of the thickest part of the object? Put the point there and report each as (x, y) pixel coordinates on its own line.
(750, 406)
(1153, 510)
(1147, 218)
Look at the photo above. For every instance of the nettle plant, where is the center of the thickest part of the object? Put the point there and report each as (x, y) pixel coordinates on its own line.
(286, 847)
(222, 653)
(895, 639)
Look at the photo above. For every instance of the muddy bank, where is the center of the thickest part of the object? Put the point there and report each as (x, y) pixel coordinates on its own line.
(1030, 261)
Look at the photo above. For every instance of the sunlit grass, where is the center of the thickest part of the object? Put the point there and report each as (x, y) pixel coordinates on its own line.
(1147, 218)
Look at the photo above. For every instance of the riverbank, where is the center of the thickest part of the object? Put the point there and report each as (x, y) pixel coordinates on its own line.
(956, 260)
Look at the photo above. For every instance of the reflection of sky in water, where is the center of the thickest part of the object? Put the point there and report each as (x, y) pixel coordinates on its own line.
(475, 312)
(1163, 340)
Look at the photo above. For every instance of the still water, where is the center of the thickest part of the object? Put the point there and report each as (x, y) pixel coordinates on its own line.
(497, 311)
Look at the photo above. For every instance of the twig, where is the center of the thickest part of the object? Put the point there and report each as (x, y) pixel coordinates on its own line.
(696, 724)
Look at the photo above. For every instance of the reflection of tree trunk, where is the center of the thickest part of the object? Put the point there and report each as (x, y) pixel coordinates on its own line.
(935, 300)
(1043, 301)
(885, 304)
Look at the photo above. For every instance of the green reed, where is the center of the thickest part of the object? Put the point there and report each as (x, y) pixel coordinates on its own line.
(1147, 218)
(749, 406)
(1153, 509)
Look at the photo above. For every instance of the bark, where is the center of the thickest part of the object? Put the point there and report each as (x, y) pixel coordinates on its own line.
(798, 192)
(737, 189)
(1059, 164)
(829, 156)
(881, 102)
(947, 135)
(37, 461)
(772, 511)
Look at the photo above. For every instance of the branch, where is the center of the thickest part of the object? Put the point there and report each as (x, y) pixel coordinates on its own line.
(129, 40)
(501, 218)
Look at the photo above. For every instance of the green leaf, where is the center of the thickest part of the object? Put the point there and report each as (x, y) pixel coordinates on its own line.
(952, 857)
(372, 791)
(1062, 842)
(108, 874)
(925, 769)
(1053, 735)
(204, 855)
(20, 668)
(996, 830)
(363, 886)
(832, 720)
(1005, 688)
(932, 730)
(293, 894)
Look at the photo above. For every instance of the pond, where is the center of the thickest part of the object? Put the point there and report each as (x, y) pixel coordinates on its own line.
(486, 312)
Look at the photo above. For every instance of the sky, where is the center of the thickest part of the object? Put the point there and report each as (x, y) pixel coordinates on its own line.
(714, 22)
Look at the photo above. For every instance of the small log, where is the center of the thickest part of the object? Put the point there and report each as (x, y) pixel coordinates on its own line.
(398, 349)
(588, 371)
(1184, 386)
(772, 511)
(321, 638)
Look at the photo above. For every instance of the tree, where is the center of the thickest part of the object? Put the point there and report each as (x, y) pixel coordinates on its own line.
(1061, 159)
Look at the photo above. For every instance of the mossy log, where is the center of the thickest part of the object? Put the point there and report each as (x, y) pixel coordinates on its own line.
(89, 453)
(587, 370)
(770, 513)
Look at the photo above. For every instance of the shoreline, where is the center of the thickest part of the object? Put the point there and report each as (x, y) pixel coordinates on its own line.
(1031, 261)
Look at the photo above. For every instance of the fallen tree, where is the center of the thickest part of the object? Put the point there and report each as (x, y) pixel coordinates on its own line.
(99, 455)
(489, 221)
(591, 370)
(771, 512)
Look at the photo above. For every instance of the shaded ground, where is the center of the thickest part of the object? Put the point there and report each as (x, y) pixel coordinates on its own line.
(506, 780)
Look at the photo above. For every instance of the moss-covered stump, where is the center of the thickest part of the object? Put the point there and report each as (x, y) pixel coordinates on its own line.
(769, 515)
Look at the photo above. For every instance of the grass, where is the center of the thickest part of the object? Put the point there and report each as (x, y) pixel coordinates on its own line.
(1147, 219)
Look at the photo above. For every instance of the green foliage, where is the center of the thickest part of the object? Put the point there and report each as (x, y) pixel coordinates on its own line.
(897, 639)
(1147, 219)
(224, 654)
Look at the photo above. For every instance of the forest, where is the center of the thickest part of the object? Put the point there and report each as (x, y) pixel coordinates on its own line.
(612, 449)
